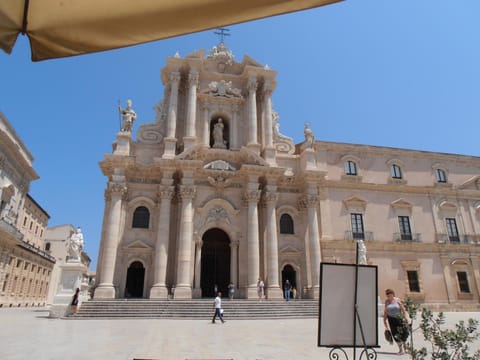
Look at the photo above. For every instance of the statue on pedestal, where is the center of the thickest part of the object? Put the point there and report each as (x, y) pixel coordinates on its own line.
(75, 246)
(128, 116)
(362, 253)
(309, 137)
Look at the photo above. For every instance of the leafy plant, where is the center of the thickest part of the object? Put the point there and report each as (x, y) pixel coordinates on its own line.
(445, 344)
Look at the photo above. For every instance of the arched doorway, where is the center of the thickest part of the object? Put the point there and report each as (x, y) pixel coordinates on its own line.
(215, 262)
(135, 280)
(289, 273)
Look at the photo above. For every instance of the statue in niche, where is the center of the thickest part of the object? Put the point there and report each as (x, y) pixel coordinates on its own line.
(128, 116)
(75, 246)
(218, 140)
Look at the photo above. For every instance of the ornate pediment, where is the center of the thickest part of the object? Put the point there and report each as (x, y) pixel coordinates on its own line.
(471, 184)
(137, 245)
(401, 204)
(355, 202)
(154, 133)
(290, 250)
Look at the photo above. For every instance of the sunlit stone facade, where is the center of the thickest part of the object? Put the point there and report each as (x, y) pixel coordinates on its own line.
(211, 192)
(25, 267)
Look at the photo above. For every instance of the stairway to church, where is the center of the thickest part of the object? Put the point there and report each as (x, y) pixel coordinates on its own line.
(196, 309)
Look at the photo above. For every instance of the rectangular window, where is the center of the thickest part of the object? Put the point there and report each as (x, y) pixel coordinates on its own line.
(441, 176)
(25, 267)
(413, 283)
(405, 230)
(19, 262)
(31, 225)
(5, 282)
(463, 282)
(350, 168)
(357, 226)
(25, 221)
(396, 172)
(452, 230)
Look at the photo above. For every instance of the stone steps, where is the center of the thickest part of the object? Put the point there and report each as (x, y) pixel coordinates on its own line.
(196, 309)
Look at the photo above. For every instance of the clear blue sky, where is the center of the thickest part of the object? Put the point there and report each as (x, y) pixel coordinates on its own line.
(398, 73)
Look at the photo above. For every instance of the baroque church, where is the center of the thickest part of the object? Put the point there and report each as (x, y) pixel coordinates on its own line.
(212, 194)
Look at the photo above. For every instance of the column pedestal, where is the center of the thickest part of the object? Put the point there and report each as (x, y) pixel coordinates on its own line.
(308, 160)
(183, 292)
(269, 155)
(251, 293)
(188, 142)
(255, 148)
(170, 147)
(123, 143)
(274, 293)
(159, 292)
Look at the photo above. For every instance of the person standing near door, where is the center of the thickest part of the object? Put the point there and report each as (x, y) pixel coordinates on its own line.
(260, 289)
(217, 304)
(287, 288)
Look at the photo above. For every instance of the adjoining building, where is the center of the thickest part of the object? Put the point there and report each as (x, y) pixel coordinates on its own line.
(25, 267)
(211, 193)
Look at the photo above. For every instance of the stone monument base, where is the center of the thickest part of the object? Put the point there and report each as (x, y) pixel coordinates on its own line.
(71, 275)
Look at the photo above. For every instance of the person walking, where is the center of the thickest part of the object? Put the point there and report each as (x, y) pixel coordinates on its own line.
(395, 315)
(294, 293)
(287, 288)
(217, 304)
(260, 289)
(74, 301)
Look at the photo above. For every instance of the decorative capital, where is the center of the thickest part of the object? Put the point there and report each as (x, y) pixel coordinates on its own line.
(270, 197)
(267, 88)
(187, 192)
(309, 201)
(175, 77)
(193, 78)
(252, 196)
(117, 189)
(166, 192)
(252, 84)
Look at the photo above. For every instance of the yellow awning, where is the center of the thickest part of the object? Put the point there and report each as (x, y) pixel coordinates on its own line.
(60, 28)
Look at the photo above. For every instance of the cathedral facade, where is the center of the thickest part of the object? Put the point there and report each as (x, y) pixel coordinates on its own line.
(212, 194)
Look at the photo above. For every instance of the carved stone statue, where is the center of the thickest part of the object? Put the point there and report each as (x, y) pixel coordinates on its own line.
(362, 253)
(75, 246)
(128, 116)
(218, 141)
(309, 137)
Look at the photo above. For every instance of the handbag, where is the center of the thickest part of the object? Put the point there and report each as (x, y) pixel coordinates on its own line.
(388, 336)
(221, 311)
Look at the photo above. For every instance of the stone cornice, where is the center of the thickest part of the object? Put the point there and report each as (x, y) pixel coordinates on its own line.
(358, 149)
(424, 190)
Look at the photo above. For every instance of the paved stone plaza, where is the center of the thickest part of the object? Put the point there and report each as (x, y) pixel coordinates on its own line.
(27, 333)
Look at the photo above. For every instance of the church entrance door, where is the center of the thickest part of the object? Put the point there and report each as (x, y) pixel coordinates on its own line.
(288, 273)
(215, 262)
(135, 280)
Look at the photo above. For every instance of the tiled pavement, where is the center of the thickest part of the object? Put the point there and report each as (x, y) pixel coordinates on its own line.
(27, 333)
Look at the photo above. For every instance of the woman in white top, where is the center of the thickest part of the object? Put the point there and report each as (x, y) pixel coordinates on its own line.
(217, 304)
(396, 315)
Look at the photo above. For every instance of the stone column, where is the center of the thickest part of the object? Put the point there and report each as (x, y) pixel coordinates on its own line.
(198, 264)
(273, 287)
(183, 288)
(252, 114)
(190, 137)
(159, 289)
(475, 259)
(234, 128)
(269, 151)
(105, 289)
(206, 125)
(234, 263)
(170, 139)
(311, 202)
(449, 282)
(268, 114)
(253, 244)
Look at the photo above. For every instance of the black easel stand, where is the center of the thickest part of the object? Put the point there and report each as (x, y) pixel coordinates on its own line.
(369, 353)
